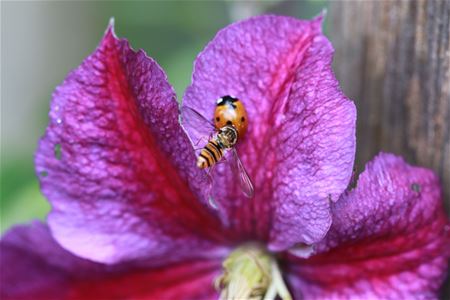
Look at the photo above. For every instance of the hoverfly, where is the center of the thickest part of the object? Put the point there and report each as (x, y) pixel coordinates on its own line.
(230, 125)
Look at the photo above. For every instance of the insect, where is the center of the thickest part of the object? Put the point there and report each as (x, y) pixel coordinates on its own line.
(229, 127)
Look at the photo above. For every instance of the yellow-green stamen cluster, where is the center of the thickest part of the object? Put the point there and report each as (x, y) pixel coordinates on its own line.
(250, 272)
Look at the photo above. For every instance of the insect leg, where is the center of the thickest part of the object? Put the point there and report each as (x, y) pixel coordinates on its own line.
(200, 139)
(210, 171)
(198, 142)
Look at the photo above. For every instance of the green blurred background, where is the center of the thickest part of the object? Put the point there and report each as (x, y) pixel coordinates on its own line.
(42, 41)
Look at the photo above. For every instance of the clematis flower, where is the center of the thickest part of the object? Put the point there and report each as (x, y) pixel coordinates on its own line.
(130, 217)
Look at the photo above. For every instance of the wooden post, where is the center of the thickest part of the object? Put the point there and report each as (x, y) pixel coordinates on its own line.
(393, 59)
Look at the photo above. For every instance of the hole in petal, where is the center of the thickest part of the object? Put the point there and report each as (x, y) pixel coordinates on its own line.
(57, 151)
(43, 173)
(415, 187)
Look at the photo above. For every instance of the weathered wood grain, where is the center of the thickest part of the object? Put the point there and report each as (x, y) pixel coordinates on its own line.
(393, 59)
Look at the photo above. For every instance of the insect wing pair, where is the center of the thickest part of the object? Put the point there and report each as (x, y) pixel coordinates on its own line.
(202, 129)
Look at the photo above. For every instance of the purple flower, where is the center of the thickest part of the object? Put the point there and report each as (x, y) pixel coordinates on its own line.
(130, 217)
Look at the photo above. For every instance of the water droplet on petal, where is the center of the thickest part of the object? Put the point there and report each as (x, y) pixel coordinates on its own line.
(261, 84)
(58, 121)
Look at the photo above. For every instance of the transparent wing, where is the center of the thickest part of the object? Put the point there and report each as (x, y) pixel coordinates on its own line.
(197, 125)
(212, 202)
(240, 172)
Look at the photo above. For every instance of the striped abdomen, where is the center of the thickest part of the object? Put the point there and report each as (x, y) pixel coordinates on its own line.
(209, 155)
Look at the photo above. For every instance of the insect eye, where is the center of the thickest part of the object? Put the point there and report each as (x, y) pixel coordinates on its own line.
(217, 119)
(242, 119)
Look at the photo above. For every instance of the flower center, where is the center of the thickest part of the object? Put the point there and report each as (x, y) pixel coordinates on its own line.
(250, 272)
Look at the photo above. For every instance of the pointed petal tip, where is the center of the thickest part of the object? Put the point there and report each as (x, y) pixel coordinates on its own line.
(318, 20)
(141, 99)
(110, 29)
(323, 13)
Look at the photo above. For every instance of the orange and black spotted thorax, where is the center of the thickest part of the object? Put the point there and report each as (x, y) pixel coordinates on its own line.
(231, 111)
(230, 120)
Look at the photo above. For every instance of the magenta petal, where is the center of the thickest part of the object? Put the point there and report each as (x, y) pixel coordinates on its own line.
(300, 145)
(389, 239)
(117, 167)
(34, 266)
